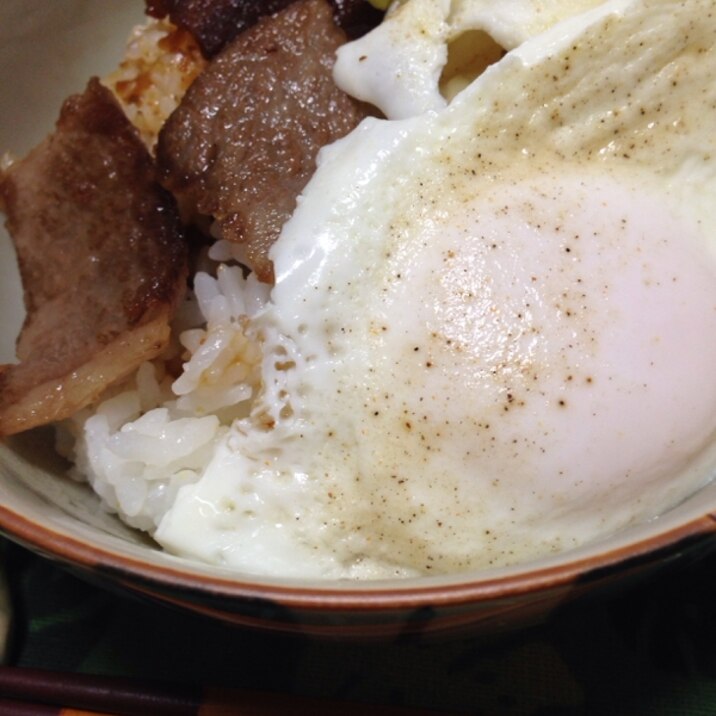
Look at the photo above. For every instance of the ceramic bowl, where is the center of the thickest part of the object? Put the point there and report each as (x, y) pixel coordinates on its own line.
(47, 51)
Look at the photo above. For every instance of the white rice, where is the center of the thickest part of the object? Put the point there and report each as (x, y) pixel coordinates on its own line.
(157, 433)
(159, 64)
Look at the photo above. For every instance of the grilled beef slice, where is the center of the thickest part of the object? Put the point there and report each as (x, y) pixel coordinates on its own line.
(102, 258)
(243, 142)
(214, 23)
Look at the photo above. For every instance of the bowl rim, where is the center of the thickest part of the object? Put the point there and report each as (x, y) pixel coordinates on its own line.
(363, 595)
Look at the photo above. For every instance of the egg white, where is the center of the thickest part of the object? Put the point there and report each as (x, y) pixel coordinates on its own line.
(493, 330)
(398, 66)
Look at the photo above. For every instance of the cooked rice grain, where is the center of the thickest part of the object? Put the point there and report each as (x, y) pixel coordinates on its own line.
(138, 447)
(160, 63)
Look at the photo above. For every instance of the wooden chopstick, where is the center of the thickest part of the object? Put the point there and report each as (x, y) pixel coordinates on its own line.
(23, 708)
(37, 692)
(125, 696)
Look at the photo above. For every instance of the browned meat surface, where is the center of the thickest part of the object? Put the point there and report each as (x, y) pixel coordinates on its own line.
(214, 23)
(243, 142)
(102, 259)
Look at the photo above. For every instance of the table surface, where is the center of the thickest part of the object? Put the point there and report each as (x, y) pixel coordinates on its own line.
(648, 649)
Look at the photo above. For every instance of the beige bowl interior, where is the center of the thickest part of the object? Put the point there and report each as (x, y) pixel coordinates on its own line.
(47, 51)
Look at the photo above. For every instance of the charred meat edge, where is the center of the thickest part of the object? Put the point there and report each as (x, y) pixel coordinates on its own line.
(215, 23)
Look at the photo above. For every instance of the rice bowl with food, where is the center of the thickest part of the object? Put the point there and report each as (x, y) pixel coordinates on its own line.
(486, 332)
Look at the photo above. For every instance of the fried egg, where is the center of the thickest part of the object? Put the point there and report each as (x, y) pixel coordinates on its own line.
(493, 331)
(426, 51)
